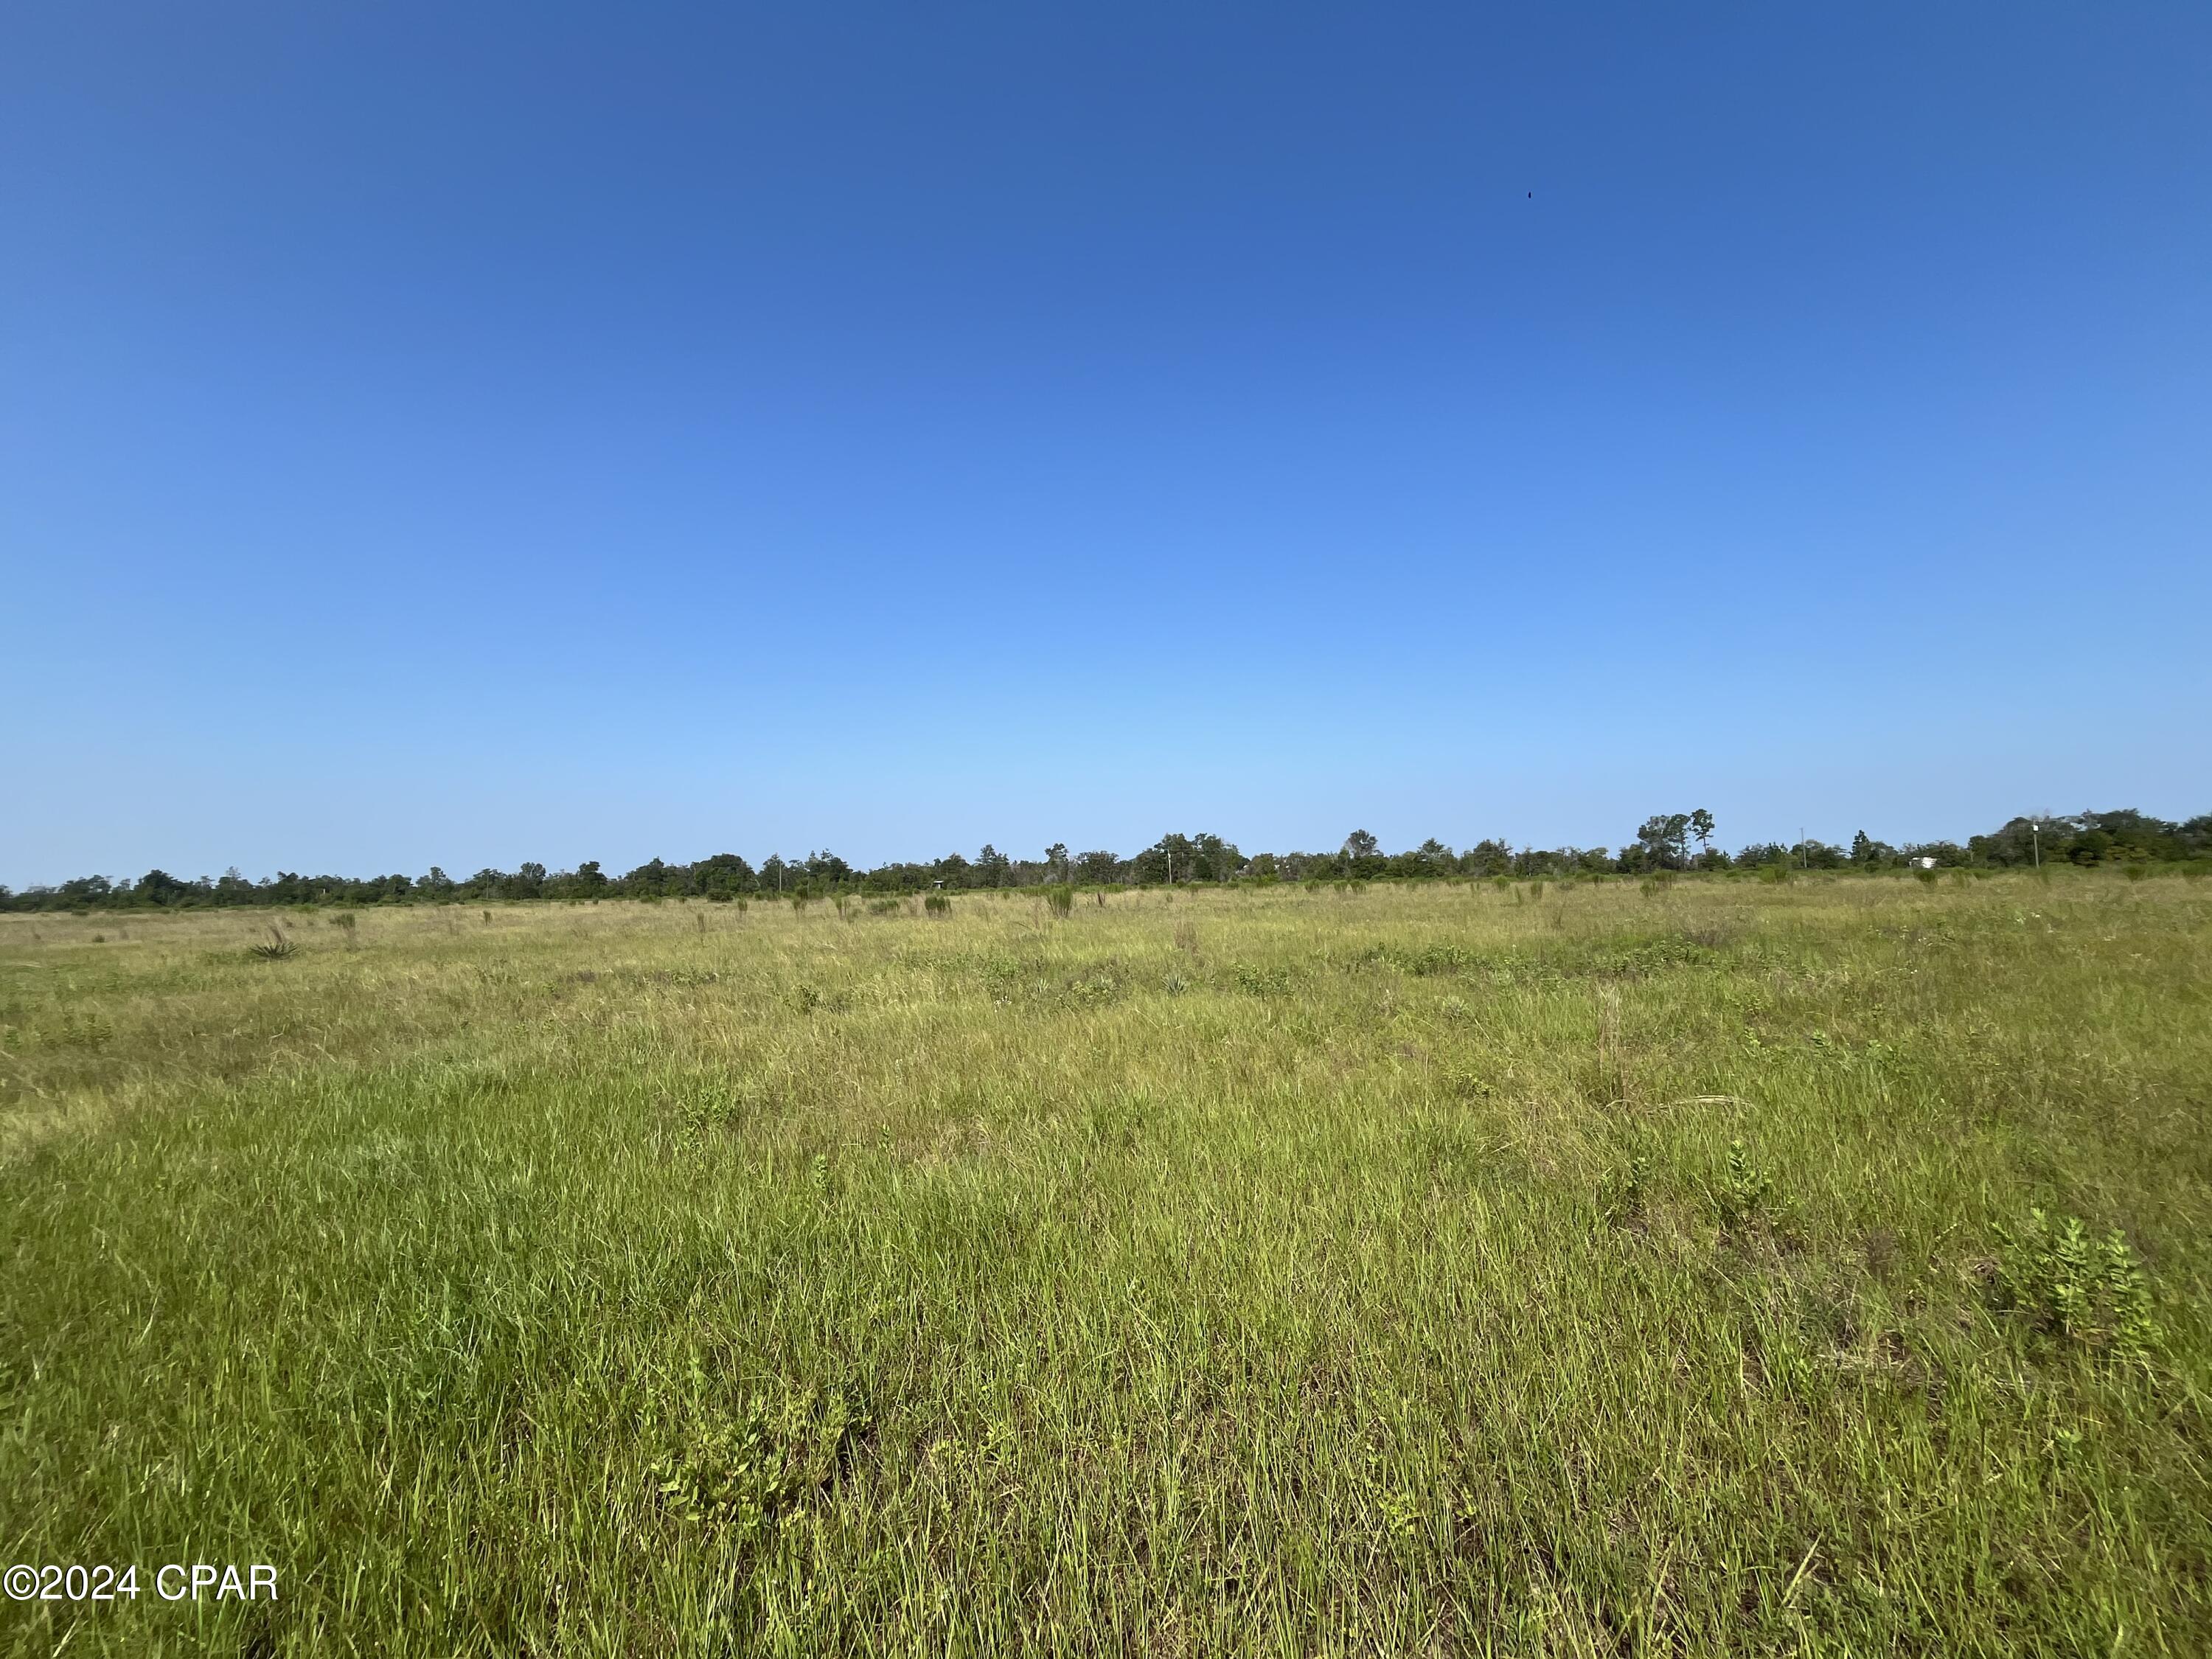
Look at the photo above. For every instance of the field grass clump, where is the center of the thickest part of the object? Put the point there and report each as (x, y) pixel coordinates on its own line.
(1818, 1267)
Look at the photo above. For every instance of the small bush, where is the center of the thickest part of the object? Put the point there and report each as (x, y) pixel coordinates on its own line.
(937, 904)
(1059, 899)
(736, 1472)
(1620, 1195)
(1746, 1193)
(2073, 1288)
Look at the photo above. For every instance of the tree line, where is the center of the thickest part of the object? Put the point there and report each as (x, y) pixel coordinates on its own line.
(1665, 842)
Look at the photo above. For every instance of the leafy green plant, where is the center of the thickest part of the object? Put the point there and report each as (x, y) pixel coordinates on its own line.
(937, 904)
(85, 1030)
(1747, 1191)
(735, 1471)
(1059, 899)
(2065, 1284)
(1621, 1193)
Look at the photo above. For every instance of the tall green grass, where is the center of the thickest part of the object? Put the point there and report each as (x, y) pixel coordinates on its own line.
(1435, 1270)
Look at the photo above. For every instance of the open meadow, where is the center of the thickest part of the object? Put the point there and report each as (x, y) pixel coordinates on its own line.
(1591, 1268)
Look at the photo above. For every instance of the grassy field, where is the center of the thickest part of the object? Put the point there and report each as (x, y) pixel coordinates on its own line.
(1452, 1269)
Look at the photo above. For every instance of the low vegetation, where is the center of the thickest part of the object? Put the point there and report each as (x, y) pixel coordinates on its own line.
(1688, 1266)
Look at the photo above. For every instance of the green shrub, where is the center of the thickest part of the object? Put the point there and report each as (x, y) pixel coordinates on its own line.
(2075, 1289)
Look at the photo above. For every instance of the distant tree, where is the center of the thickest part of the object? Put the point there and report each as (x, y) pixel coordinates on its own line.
(723, 876)
(652, 879)
(1171, 859)
(1762, 852)
(1868, 853)
(1055, 862)
(1816, 854)
(1212, 859)
(993, 867)
(1702, 826)
(1663, 842)
(1493, 857)
(155, 887)
(1097, 868)
(1361, 856)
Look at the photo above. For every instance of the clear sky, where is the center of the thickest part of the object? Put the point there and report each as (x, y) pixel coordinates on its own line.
(469, 434)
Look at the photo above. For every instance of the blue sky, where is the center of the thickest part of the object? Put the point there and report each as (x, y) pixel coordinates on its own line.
(467, 435)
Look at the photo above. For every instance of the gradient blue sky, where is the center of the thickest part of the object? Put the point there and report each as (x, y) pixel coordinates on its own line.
(467, 434)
